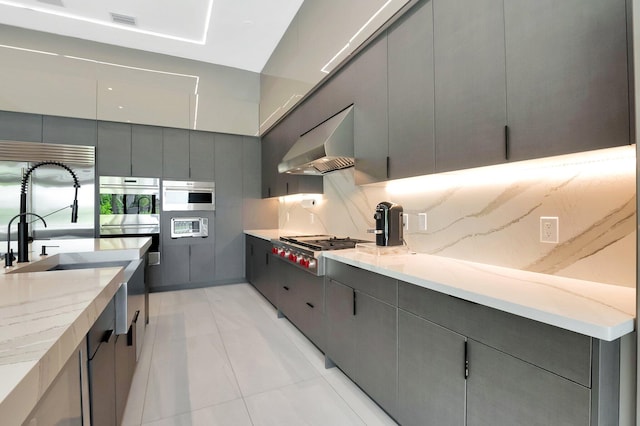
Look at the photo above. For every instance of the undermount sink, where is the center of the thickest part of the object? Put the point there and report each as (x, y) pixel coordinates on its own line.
(88, 265)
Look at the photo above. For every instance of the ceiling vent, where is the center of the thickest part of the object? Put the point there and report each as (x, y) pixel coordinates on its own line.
(123, 19)
(52, 2)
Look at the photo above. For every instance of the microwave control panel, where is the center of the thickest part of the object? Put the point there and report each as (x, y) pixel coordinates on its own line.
(183, 227)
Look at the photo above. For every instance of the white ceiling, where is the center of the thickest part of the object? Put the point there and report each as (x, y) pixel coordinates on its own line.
(236, 33)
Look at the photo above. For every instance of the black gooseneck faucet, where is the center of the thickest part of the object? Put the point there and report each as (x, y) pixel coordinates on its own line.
(8, 256)
(23, 225)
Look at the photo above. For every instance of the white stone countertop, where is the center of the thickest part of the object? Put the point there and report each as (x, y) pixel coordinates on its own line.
(270, 234)
(594, 309)
(44, 316)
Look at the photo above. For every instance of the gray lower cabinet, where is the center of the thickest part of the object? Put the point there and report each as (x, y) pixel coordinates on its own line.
(520, 371)
(259, 267)
(300, 297)
(185, 264)
(470, 91)
(341, 326)
(431, 374)
(567, 76)
(411, 94)
(362, 329)
(504, 390)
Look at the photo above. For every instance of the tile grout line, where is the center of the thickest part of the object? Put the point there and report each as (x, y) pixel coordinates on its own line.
(226, 353)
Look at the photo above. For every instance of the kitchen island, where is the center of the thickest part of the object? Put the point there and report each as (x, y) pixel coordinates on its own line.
(45, 315)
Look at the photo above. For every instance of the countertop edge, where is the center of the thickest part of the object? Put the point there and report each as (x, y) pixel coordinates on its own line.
(599, 331)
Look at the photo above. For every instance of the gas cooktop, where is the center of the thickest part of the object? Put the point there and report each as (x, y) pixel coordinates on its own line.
(322, 242)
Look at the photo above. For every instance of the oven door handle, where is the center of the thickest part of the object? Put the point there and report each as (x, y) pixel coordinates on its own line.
(129, 226)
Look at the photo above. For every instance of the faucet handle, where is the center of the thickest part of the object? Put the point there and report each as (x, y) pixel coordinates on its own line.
(9, 258)
(44, 250)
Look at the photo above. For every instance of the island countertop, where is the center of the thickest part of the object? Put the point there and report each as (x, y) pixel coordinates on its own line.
(44, 316)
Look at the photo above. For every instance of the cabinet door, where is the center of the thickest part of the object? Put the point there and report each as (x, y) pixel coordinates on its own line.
(18, 126)
(69, 131)
(146, 151)
(250, 256)
(228, 242)
(175, 146)
(376, 350)
(114, 149)
(271, 155)
(431, 382)
(567, 81)
(371, 125)
(201, 155)
(175, 265)
(341, 327)
(228, 171)
(103, 385)
(503, 390)
(411, 92)
(202, 262)
(470, 83)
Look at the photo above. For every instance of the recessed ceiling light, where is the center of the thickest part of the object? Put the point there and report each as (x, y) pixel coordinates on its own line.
(120, 107)
(109, 88)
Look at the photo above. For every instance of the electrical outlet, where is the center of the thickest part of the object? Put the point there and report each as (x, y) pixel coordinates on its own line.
(405, 221)
(422, 221)
(549, 229)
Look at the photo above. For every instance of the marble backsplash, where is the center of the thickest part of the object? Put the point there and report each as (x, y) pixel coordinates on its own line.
(492, 214)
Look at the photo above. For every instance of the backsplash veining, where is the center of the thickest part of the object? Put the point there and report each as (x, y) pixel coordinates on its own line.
(492, 215)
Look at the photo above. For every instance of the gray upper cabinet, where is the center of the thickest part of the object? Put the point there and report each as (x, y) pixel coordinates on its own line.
(251, 167)
(146, 151)
(503, 390)
(272, 152)
(114, 149)
(175, 145)
(371, 123)
(470, 91)
(201, 155)
(228, 171)
(411, 94)
(567, 80)
(69, 131)
(334, 96)
(18, 126)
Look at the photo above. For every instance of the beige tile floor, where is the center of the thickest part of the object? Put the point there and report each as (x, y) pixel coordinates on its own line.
(220, 356)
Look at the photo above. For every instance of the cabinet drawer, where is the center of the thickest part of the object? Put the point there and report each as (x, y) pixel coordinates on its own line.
(560, 351)
(376, 285)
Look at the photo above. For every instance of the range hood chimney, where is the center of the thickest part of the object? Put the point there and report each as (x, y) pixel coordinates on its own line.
(323, 149)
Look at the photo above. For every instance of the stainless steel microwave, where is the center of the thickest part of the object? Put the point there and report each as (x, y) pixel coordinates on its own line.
(179, 195)
(182, 227)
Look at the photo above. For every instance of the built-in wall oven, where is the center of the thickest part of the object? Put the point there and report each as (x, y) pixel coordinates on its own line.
(130, 207)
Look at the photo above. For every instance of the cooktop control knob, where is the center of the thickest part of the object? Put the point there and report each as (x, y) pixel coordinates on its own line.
(312, 263)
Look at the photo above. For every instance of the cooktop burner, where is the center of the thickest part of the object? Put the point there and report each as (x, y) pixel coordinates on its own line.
(323, 242)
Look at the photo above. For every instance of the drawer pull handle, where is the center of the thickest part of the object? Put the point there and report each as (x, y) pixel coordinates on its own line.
(106, 337)
(285, 287)
(310, 305)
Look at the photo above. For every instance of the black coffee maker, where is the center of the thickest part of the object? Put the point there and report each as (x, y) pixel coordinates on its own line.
(388, 230)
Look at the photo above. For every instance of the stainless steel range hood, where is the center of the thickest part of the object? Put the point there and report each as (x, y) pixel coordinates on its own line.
(323, 149)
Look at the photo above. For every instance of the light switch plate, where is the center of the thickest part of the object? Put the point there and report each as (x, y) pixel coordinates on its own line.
(549, 229)
(422, 221)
